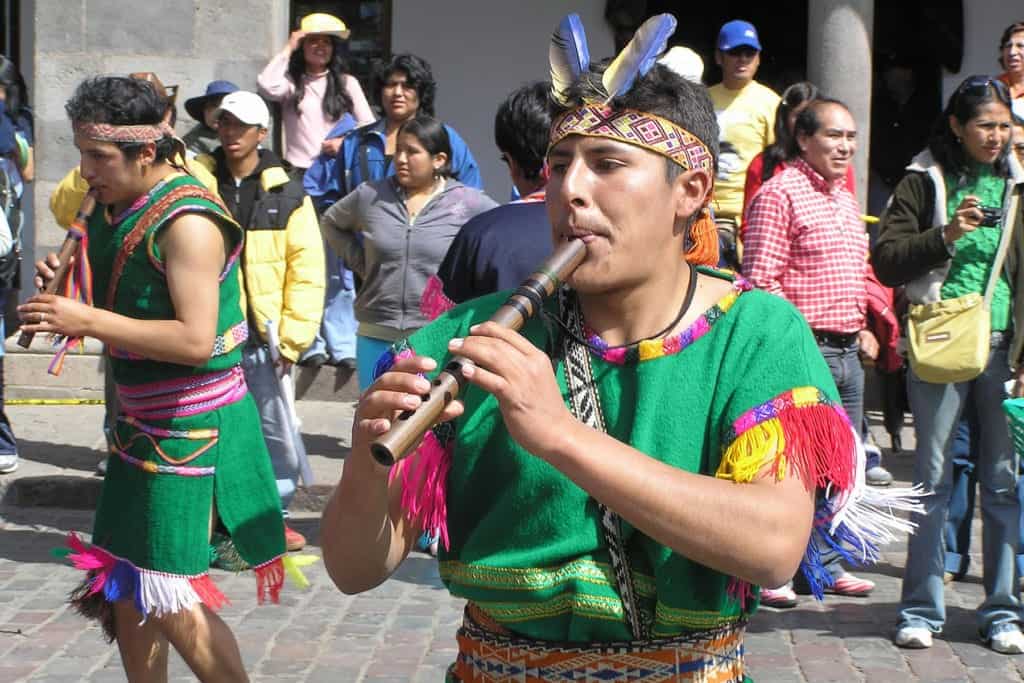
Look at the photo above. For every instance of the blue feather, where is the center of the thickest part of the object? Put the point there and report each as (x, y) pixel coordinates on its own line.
(568, 55)
(639, 55)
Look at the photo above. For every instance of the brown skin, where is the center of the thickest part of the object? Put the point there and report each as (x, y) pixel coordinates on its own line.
(615, 197)
(739, 66)
(195, 251)
(400, 102)
(1011, 58)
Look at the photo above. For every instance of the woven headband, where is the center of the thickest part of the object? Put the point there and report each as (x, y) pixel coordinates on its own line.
(640, 129)
(107, 132)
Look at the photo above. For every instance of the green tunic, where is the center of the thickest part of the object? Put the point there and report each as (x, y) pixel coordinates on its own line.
(525, 541)
(159, 521)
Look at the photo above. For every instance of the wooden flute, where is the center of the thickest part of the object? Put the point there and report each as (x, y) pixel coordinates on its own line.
(68, 251)
(409, 427)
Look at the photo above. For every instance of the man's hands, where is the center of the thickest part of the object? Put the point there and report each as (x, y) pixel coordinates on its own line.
(520, 376)
(868, 344)
(398, 389)
(59, 314)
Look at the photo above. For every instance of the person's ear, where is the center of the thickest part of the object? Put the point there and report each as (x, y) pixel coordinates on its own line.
(718, 57)
(147, 155)
(262, 135)
(440, 159)
(958, 130)
(690, 190)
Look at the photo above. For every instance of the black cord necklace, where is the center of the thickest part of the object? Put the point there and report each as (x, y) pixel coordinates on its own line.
(691, 290)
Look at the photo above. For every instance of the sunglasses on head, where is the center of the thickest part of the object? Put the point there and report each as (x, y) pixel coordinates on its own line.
(978, 85)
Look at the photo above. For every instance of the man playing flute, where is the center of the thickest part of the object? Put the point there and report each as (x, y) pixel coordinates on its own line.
(622, 473)
(187, 449)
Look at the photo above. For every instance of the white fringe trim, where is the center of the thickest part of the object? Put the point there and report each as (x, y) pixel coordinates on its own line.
(162, 594)
(870, 514)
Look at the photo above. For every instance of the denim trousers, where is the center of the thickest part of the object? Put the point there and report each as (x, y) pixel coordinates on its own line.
(957, 533)
(937, 409)
(337, 336)
(8, 444)
(283, 443)
(848, 374)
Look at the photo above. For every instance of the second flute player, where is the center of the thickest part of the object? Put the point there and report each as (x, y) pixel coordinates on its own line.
(633, 463)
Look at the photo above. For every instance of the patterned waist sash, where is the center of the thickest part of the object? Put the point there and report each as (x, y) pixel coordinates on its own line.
(182, 397)
(487, 656)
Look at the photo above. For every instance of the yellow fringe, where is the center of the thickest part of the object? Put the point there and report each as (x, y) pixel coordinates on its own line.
(292, 567)
(752, 450)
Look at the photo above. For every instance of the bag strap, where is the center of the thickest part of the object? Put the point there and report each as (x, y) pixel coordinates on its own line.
(1004, 245)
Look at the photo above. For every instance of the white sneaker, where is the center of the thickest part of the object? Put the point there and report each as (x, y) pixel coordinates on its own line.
(8, 463)
(1006, 639)
(913, 637)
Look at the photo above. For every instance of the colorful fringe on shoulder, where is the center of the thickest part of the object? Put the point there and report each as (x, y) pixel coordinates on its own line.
(803, 431)
(434, 301)
(424, 473)
(111, 578)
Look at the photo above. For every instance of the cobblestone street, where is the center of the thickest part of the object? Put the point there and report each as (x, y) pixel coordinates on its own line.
(404, 630)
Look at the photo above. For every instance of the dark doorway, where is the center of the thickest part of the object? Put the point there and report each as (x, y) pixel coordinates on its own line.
(781, 26)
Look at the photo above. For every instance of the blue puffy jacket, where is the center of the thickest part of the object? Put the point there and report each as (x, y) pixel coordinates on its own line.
(361, 158)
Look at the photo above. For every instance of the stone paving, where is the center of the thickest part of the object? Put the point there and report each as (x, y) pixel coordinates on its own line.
(404, 629)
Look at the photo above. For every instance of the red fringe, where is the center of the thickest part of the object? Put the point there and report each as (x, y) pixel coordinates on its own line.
(819, 446)
(740, 591)
(208, 592)
(269, 579)
(434, 302)
(424, 486)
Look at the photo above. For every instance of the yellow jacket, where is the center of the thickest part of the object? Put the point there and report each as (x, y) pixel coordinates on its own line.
(66, 199)
(283, 263)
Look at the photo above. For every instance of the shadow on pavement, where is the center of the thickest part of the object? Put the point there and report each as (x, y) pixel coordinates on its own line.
(326, 445)
(60, 455)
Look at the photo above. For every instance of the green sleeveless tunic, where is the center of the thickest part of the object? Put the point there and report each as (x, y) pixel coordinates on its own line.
(149, 513)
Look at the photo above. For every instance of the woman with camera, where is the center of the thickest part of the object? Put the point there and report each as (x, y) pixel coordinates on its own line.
(941, 236)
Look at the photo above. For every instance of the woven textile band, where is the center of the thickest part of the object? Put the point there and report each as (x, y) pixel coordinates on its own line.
(182, 397)
(108, 132)
(486, 657)
(636, 128)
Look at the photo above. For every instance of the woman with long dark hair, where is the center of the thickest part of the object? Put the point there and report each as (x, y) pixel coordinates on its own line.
(394, 233)
(310, 79)
(936, 239)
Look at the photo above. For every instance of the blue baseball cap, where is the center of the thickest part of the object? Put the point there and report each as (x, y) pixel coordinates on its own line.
(738, 33)
(214, 89)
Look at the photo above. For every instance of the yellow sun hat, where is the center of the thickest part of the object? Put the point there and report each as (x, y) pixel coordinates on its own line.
(326, 24)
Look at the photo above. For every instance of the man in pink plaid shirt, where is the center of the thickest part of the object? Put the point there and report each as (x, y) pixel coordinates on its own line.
(806, 242)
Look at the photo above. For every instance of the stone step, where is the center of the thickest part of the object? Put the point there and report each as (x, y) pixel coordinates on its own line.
(26, 377)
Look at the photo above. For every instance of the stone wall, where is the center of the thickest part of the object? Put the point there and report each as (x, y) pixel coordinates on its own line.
(185, 42)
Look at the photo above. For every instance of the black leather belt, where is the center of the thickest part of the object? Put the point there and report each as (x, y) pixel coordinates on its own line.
(841, 341)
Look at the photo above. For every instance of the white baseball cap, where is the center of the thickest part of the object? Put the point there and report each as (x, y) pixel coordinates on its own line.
(247, 107)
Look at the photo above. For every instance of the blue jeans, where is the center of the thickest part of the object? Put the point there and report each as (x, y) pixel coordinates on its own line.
(8, 444)
(957, 532)
(337, 336)
(368, 352)
(937, 409)
(284, 445)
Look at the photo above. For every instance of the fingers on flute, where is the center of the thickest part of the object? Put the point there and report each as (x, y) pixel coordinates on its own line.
(509, 336)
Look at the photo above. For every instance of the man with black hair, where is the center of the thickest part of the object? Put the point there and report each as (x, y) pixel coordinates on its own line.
(282, 266)
(805, 242)
(186, 448)
(406, 87)
(499, 248)
(619, 475)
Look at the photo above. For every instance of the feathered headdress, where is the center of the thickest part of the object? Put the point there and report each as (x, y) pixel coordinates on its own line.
(570, 59)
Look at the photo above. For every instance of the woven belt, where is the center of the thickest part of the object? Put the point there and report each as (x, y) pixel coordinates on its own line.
(486, 657)
(842, 341)
(182, 396)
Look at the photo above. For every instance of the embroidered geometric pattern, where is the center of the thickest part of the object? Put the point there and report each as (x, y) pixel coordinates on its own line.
(107, 132)
(639, 129)
(656, 348)
(535, 578)
(589, 606)
(181, 397)
(689, 619)
(234, 336)
(713, 655)
(799, 397)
